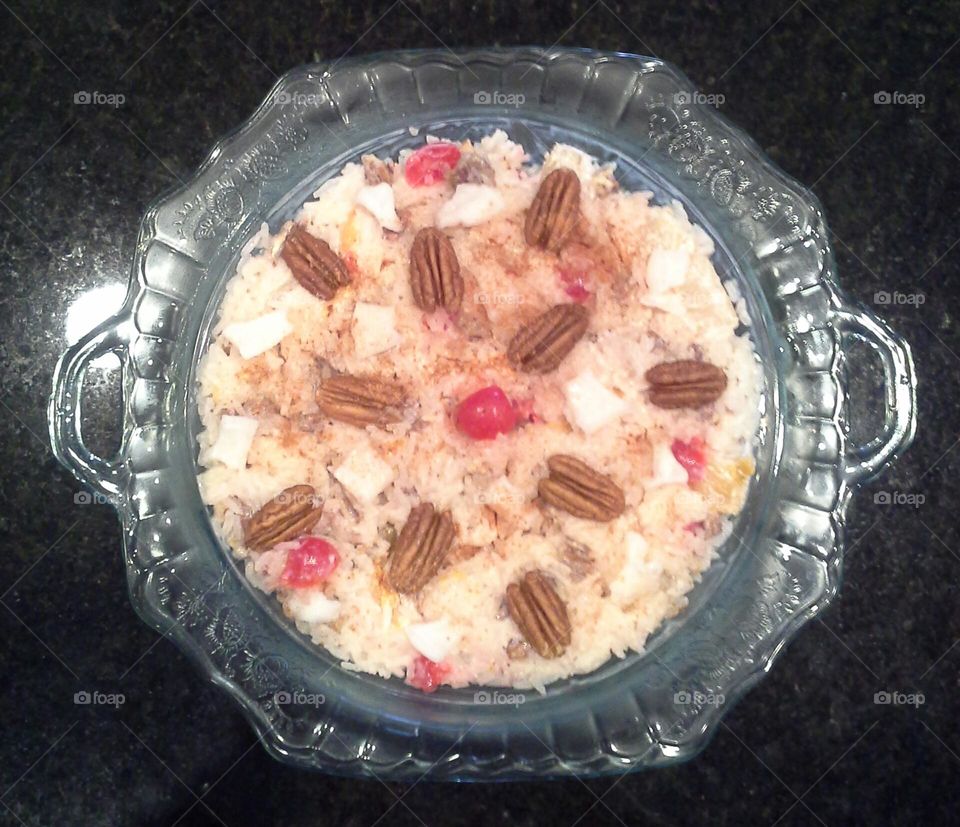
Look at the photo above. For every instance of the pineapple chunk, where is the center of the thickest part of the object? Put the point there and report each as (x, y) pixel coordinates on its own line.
(725, 486)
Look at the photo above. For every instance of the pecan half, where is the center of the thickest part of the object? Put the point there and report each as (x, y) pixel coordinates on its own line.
(361, 400)
(541, 345)
(554, 210)
(576, 488)
(314, 264)
(685, 384)
(435, 272)
(540, 614)
(292, 513)
(417, 554)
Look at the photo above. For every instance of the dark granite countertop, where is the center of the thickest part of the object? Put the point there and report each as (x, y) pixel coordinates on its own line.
(809, 745)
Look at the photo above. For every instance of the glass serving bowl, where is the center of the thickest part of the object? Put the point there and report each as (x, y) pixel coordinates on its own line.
(782, 564)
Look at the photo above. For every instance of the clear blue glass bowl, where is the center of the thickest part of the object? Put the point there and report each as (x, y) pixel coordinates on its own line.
(779, 569)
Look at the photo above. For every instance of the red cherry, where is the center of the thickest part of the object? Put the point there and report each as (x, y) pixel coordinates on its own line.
(691, 455)
(430, 164)
(425, 674)
(310, 562)
(486, 413)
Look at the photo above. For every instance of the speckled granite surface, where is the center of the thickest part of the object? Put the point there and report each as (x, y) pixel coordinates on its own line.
(807, 746)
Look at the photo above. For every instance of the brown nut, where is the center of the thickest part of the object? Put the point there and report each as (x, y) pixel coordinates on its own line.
(291, 514)
(435, 272)
(313, 264)
(541, 345)
(685, 384)
(579, 490)
(540, 614)
(418, 552)
(554, 211)
(361, 400)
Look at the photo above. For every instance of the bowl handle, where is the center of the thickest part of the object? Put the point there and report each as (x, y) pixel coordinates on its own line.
(863, 463)
(107, 477)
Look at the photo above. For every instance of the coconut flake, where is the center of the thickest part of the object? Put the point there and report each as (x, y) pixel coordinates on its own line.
(591, 404)
(336, 197)
(265, 570)
(374, 329)
(313, 606)
(378, 201)
(470, 204)
(569, 157)
(639, 574)
(258, 335)
(363, 474)
(666, 269)
(666, 469)
(433, 639)
(234, 438)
